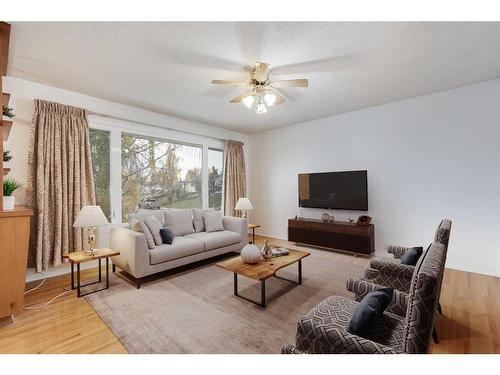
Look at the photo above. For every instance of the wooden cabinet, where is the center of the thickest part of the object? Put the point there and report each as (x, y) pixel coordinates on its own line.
(14, 241)
(359, 239)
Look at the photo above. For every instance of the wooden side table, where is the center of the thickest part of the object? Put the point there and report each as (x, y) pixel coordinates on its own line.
(80, 257)
(252, 227)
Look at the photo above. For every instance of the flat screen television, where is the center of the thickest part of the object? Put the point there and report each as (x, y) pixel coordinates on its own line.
(334, 190)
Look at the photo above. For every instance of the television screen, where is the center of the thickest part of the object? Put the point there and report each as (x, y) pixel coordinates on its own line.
(334, 190)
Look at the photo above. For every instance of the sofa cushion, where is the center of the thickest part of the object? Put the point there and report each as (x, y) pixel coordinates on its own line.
(411, 255)
(180, 247)
(213, 221)
(154, 227)
(144, 214)
(179, 221)
(199, 219)
(167, 236)
(215, 240)
(370, 308)
(140, 226)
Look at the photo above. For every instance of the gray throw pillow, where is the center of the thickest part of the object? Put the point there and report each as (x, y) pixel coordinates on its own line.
(140, 226)
(198, 218)
(144, 214)
(180, 222)
(154, 227)
(213, 221)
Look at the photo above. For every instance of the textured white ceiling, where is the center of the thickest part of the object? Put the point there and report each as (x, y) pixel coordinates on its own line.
(168, 67)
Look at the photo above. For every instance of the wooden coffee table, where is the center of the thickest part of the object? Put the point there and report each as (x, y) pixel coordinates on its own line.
(263, 271)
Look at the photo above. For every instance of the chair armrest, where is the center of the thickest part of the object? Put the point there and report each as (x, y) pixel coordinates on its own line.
(389, 267)
(397, 251)
(134, 253)
(389, 273)
(339, 341)
(290, 349)
(238, 225)
(361, 288)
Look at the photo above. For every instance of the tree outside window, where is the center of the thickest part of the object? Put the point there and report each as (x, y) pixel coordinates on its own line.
(160, 173)
(215, 177)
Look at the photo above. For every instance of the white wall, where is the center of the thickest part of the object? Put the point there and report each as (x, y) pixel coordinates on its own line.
(427, 158)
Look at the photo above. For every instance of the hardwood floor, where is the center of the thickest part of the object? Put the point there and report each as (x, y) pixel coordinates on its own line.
(469, 324)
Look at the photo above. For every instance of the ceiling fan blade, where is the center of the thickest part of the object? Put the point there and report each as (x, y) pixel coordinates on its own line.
(233, 83)
(291, 83)
(240, 97)
(279, 99)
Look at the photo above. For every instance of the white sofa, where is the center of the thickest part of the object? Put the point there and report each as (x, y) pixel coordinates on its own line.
(139, 261)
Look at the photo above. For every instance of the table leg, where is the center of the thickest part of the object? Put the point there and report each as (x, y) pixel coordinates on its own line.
(72, 276)
(253, 235)
(263, 293)
(107, 273)
(300, 271)
(78, 280)
(100, 271)
(235, 284)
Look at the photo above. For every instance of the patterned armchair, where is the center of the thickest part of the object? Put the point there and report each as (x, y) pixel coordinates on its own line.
(389, 272)
(324, 328)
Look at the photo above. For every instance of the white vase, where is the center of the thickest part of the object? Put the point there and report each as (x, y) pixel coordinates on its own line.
(250, 254)
(8, 202)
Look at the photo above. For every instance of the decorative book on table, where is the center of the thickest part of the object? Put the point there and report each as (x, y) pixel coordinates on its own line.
(279, 251)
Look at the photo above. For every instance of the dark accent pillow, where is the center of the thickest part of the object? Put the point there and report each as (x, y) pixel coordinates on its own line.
(370, 308)
(411, 256)
(167, 236)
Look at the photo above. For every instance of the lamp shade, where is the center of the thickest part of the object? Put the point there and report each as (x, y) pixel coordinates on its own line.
(243, 204)
(90, 216)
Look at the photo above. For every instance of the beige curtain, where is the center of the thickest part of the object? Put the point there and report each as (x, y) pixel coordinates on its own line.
(234, 177)
(59, 181)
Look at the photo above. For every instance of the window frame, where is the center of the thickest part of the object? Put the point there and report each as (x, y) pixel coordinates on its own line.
(116, 127)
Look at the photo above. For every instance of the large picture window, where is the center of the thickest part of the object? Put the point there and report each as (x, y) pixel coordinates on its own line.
(215, 177)
(99, 149)
(159, 172)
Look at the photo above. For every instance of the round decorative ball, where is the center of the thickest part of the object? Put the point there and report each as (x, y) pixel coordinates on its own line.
(325, 217)
(250, 254)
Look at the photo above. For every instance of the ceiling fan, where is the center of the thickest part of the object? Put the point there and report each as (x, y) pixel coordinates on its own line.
(261, 94)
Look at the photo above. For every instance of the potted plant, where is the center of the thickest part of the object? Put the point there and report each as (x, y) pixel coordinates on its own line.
(7, 111)
(9, 186)
(6, 156)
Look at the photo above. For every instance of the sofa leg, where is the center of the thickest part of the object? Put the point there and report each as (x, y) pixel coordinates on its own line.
(435, 337)
(440, 310)
(138, 283)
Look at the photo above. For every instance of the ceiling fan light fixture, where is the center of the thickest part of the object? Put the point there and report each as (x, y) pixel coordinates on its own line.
(261, 108)
(270, 99)
(248, 101)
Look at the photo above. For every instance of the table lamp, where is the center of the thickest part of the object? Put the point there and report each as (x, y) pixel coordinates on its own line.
(90, 217)
(244, 205)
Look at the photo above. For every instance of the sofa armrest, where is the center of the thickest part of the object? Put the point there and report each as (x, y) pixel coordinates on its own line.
(396, 251)
(238, 225)
(134, 253)
(361, 288)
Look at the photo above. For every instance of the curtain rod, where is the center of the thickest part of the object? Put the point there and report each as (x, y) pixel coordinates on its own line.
(156, 126)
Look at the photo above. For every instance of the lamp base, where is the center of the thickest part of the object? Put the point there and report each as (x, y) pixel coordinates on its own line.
(90, 252)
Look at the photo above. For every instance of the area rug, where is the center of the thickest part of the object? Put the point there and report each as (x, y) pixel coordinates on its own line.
(193, 310)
